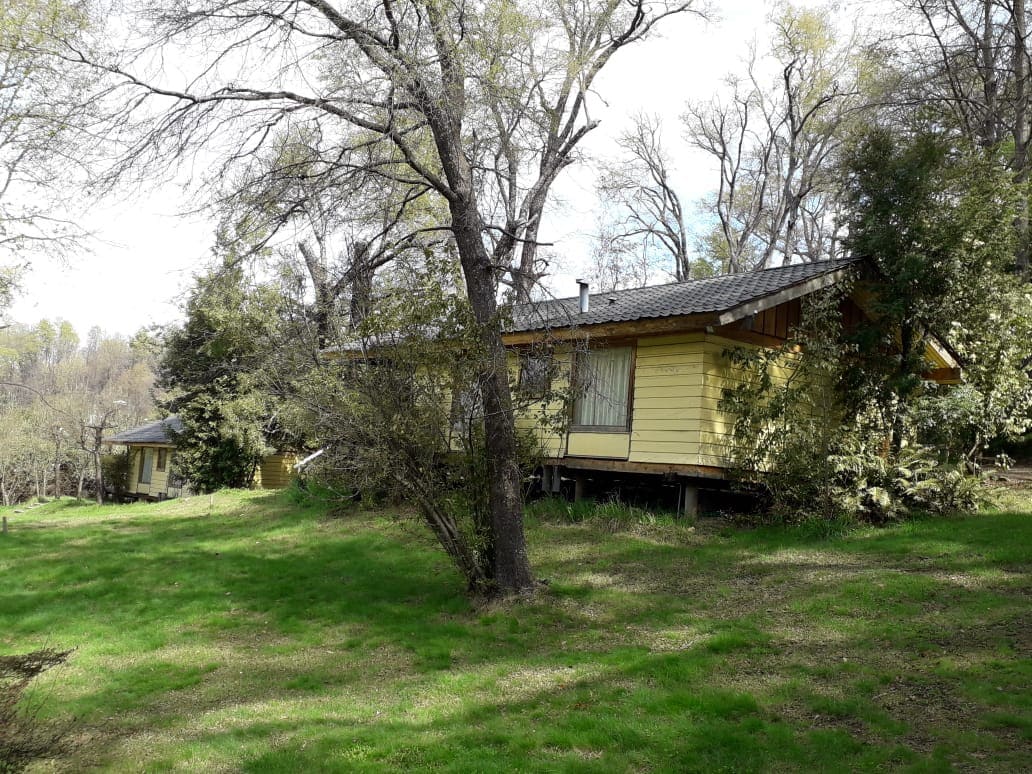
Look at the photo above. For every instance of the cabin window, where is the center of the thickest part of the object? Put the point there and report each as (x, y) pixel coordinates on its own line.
(146, 463)
(162, 460)
(535, 376)
(603, 389)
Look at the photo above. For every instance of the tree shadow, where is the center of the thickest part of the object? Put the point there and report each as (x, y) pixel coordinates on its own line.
(717, 654)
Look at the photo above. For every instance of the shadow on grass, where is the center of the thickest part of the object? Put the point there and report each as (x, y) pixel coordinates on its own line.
(354, 634)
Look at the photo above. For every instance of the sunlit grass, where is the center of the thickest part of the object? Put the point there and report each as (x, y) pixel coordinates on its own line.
(246, 632)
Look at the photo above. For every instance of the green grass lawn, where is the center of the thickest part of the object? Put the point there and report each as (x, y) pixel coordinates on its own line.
(258, 635)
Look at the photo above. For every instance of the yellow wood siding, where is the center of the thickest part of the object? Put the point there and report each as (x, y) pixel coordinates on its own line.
(159, 478)
(669, 384)
(603, 445)
(276, 471)
(542, 417)
(715, 447)
(679, 381)
(677, 386)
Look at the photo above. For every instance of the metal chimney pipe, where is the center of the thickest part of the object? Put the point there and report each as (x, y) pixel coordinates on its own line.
(583, 295)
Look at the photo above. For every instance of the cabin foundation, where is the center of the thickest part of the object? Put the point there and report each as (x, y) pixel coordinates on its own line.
(683, 491)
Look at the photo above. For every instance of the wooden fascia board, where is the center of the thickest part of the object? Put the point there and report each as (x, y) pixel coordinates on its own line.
(750, 337)
(944, 375)
(942, 351)
(623, 329)
(758, 305)
(630, 466)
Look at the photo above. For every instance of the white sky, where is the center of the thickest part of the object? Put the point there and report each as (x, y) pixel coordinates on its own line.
(145, 253)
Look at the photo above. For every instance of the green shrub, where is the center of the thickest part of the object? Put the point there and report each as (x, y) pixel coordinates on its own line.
(827, 446)
(116, 473)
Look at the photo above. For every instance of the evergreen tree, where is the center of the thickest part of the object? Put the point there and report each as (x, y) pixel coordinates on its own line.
(212, 366)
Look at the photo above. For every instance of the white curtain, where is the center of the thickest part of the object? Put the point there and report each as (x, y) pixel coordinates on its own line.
(146, 462)
(603, 377)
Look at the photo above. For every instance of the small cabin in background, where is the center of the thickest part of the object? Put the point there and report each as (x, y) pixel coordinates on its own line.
(654, 359)
(151, 449)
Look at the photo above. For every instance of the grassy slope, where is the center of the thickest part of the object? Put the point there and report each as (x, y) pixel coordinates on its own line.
(264, 637)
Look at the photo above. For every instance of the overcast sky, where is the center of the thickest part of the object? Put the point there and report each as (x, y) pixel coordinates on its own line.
(145, 253)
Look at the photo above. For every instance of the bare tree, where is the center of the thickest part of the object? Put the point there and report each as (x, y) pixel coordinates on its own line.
(42, 123)
(970, 60)
(403, 76)
(534, 87)
(346, 220)
(775, 144)
(644, 206)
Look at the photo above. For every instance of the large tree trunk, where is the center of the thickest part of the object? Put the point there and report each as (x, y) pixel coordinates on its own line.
(509, 555)
(361, 279)
(1021, 132)
(511, 566)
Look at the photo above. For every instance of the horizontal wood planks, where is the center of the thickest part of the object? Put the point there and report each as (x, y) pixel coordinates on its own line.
(679, 381)
(276, 470)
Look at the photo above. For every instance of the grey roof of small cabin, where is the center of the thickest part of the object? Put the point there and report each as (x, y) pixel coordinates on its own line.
(152, 432)
(701, 296)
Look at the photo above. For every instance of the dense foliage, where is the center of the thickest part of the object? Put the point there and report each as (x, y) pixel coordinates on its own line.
(211, 367)
(56, 394)
(846, 422)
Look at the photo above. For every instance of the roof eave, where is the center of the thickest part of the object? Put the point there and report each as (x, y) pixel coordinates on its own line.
(757, 305)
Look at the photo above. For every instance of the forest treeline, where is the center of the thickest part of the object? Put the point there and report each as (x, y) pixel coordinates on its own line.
(57, 395)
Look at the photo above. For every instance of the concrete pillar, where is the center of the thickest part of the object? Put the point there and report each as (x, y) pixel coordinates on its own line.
(689, 500)
(546, 479)
(578, 488)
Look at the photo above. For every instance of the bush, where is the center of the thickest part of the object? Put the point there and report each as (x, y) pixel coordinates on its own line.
(116, 474)
(827, 445)
(882, 487)
(24, 737)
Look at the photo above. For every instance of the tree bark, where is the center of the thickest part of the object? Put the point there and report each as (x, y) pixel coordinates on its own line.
(512, 572)
(360, 276)
(1021, 132)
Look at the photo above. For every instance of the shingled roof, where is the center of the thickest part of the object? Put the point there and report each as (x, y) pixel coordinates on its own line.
(710, 295)
(153, 432)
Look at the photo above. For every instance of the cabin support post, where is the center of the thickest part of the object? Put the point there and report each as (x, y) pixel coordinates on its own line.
(557, 479)
(546, 479)
(578, 488)
(688, 505)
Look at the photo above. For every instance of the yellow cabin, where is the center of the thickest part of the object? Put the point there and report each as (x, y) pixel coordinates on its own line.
(658, 371)
(151, 448)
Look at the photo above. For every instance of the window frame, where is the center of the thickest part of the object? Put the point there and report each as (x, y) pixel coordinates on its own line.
(532, 391)
(577, 365)
(161, 463)
(143, 467)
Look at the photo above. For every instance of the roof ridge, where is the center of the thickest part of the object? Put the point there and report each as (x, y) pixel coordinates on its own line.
(690, 281)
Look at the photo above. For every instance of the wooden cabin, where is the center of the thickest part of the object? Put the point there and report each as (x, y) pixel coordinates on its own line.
(151, 448)
(656, 355)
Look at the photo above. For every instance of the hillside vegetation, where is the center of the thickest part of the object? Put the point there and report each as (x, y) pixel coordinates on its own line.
(245, 632)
